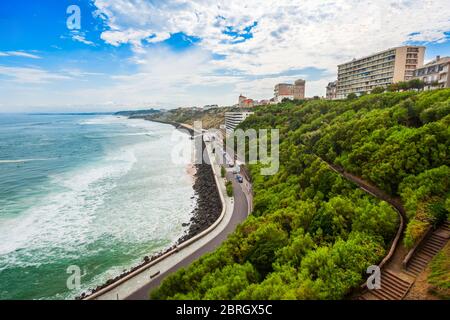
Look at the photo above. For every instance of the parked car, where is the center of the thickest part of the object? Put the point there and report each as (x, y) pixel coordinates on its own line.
(239, 179)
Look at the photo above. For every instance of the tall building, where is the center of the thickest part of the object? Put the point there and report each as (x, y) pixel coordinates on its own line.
(379, 70)
(290, 91)
(435, 74)
(233, 119)
(332, 90)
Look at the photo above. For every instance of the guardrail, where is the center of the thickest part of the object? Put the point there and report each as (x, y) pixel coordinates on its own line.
(173, 251)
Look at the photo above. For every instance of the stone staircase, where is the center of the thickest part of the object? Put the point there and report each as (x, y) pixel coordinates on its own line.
(396, 284)
(393, 287)
(428, 250)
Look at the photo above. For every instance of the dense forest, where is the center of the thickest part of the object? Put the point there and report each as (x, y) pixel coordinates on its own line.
(312, 233)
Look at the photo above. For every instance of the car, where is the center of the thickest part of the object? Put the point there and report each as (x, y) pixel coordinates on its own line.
(239, 179)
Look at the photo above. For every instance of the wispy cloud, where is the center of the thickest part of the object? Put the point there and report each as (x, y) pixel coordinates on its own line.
(31, 75)
(19, 54)
(81, 38)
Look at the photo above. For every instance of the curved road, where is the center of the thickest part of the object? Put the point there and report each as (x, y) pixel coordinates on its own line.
(240, 213)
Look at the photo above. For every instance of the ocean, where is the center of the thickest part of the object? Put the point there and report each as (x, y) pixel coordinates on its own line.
(95, 192)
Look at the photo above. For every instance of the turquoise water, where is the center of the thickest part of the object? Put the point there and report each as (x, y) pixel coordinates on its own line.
(98, 192)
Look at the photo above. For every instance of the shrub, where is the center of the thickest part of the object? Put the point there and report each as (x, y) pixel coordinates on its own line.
(229, 186)
(414, 232)
(223, 172)
(352, 96)
(377, 90)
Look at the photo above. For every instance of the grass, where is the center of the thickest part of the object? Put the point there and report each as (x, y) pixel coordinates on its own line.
(439, 277)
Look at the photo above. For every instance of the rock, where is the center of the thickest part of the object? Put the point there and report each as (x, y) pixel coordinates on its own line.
(208, 207)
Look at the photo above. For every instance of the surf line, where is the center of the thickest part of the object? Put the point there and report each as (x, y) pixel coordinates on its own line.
(22, 160)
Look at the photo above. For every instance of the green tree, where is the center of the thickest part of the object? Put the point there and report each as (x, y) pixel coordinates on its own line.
(403, 85)
(377, 90)
(312, 233)
(352, 96)
(393, 87)
(416, 84)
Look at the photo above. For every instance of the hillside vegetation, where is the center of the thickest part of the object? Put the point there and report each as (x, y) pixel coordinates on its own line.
(211, 118)
(312, 234)
(439, 277)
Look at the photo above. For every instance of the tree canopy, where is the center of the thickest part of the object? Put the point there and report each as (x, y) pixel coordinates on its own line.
(312, 233)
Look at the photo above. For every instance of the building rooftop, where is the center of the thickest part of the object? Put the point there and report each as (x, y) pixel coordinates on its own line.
(437, 60)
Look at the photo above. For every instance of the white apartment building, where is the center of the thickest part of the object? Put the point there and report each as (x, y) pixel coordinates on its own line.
(233, 119)
(379, 70)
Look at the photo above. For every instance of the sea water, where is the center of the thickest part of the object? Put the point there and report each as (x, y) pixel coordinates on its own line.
(95, 192)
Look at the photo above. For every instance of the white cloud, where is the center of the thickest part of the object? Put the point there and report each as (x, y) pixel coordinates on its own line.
(19, 54)
(81, 38)
(289, 35)
(30, 75)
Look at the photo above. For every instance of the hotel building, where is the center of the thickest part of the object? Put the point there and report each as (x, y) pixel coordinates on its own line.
(290, 91)
(379, 70)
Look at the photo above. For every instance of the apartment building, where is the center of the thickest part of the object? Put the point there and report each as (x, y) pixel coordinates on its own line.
(435, 74)
(332, 90)
(290, 91)
(233, 119)
(379, 70)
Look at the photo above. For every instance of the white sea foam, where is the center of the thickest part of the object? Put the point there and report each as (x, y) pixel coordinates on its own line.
(134, 198)
(103, 120)
(22, 160)
(132, 195)
(69, 209)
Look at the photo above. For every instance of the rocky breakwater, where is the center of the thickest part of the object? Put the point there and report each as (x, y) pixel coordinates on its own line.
(209, 205)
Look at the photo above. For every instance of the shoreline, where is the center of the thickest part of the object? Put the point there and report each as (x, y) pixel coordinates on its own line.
(206, 212)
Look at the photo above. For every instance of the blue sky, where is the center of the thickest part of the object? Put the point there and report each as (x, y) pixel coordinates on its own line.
(137, 53)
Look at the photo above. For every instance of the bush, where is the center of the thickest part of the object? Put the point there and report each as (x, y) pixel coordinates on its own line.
(229, 186)
(377, 90)
(352, 96)
(438, 212)
(414, 231)
(223, 172)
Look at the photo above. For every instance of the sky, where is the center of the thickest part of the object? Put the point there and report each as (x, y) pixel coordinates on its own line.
(129, 54)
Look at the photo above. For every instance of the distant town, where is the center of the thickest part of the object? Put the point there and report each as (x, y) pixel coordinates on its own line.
(396, 69)
(388, 70)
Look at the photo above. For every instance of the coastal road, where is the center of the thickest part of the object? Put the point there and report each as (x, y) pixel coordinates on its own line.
(240, 213)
